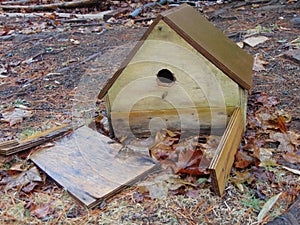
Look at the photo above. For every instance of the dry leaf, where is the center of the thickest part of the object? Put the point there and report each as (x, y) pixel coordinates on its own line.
(266, 157)
(15, 115)
(24, 178)
(253, 41)
(188, 162)
(29, 187)
(292, 157)
(192, 193)
(243, 160)
(288, 141)
(267, 207)
(41, 211)
(259, 64)
(266, 100)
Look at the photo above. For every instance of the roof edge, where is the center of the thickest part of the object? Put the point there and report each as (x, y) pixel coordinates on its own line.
(202, 50)
(124, 64)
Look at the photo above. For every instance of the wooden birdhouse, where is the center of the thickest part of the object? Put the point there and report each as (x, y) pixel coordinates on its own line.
(184, 74)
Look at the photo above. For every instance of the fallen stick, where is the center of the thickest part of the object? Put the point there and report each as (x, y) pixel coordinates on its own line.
(98, 16)
(137, 11)
(62, 5)
(17, 2)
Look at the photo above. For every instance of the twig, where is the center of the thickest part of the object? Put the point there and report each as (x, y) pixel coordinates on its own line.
(98, 16)
(62, 5)
(17, 2)
(184, 216)
(82, 62)
(137, 11)
(48, 20)
(87, 24)
(196, 207)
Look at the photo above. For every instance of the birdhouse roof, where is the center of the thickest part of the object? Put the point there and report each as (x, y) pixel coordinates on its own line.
(206, 39)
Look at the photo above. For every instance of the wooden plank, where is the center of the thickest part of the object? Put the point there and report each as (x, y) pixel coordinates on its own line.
(222, 162)
(188, 120)
(212, 43)
(7, 144)
(91, 166)
(11, 147)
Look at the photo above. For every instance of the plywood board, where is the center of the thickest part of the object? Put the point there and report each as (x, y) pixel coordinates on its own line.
(222, 162)
(91, 166)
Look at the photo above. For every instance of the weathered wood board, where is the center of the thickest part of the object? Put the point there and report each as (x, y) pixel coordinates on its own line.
(221, 164)
(14, 146)
(91, 166)
(189, 121)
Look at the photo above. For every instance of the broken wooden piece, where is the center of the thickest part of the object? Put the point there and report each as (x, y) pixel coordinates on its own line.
(221, 164)
(14, 146)
(91, 166)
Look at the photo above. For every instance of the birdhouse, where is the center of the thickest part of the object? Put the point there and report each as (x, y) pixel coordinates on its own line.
(184, 74)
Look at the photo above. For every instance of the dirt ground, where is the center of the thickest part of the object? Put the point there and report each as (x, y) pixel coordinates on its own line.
(56, 71)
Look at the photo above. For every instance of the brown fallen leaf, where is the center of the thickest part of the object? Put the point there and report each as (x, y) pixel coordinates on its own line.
(267, 100)
(188, 162)
(41, 211)
(240, 178)
(273, 121)
(243, 160)
(266, 157)
(259, 64)
(288, 141)
(193, 193)
(29, 187)
(24, 179)
(292, 157)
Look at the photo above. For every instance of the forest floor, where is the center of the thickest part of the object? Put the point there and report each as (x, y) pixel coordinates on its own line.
(54, 68)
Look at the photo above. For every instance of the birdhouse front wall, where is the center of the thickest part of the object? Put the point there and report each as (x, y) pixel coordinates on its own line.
(169, 79)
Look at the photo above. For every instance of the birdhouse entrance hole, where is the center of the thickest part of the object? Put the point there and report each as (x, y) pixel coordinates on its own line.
(165, 76)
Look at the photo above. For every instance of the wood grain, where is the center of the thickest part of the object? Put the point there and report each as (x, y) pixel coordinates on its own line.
(189, 120)
(212, 43)
(204, 38)
(11, 147)
(91, 166)
(222, 162)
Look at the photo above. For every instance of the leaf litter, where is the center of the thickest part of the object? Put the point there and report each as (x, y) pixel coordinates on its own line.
(267, 138)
